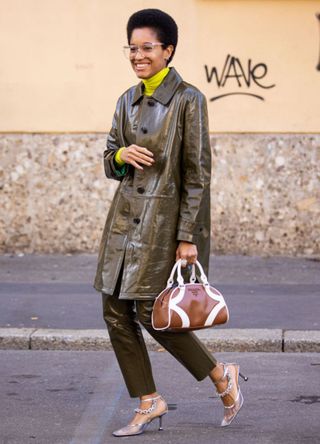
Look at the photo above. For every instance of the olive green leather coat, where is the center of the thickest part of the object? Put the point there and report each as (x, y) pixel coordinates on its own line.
(167, 202)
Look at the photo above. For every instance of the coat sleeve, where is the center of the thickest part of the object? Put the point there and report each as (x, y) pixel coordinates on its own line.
(111, 168)
(194, 215)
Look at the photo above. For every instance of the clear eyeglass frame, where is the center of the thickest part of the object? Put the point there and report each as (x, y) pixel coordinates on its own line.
(131, 51)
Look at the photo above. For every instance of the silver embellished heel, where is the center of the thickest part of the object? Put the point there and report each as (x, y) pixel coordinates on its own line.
(230, 412)
(151, 412)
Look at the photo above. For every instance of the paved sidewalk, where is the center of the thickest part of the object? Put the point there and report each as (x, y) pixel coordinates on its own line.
(48, 302)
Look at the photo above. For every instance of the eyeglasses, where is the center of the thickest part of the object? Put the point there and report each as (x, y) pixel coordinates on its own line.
(147, 48)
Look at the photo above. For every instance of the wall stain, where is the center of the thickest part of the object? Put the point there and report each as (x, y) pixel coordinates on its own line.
(318, 17)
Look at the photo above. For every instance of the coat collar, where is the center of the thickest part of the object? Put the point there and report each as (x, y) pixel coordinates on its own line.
(164, 92)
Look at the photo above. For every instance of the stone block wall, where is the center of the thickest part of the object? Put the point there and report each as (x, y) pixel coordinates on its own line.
(265, 193)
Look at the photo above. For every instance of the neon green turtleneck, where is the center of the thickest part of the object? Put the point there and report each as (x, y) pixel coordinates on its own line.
(150, 85)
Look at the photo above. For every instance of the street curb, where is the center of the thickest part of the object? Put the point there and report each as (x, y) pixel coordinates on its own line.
(217, 340)
(299, 340)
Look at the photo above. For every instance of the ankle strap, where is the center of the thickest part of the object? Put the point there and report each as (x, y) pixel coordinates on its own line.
(229, 385)
(150, 409)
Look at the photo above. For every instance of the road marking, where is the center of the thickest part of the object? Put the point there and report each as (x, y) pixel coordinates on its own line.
(96, 417)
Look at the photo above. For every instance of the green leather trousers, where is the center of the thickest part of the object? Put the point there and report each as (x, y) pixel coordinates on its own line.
(122, 318)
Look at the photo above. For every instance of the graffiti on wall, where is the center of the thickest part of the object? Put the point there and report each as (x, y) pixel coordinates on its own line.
(240, 74)
(318, 65)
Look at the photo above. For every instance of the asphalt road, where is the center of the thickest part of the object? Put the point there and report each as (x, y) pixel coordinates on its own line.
(55, 291)
(79, 398)
(50, 397)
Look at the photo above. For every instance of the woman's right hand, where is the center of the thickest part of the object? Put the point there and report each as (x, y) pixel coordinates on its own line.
(134, 155)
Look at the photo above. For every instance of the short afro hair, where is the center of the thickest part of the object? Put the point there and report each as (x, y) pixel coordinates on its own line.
(161, 22)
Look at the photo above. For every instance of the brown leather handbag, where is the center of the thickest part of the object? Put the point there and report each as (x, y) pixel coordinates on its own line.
(189, 306)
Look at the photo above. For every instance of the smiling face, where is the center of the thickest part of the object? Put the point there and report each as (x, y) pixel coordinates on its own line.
(147, 65)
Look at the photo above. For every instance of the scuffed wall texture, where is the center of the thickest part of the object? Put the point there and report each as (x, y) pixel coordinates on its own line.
(265, 193)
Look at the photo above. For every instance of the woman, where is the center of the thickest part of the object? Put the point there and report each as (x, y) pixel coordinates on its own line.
(159, 150)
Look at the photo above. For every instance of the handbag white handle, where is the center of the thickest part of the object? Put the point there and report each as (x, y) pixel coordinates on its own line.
(179, 278)
(177, 266)
(203, 276)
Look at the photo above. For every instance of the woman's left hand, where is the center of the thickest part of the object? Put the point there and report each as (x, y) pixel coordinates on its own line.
(188, 251)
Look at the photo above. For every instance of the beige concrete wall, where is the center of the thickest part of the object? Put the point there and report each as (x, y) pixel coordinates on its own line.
(62, 66)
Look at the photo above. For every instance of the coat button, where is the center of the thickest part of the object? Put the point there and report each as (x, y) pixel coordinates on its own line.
(151, 103)
(140, 190)
(136, 220)
(144, 130)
